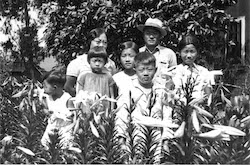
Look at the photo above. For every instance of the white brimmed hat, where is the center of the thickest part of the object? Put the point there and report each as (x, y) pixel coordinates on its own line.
(155, 23)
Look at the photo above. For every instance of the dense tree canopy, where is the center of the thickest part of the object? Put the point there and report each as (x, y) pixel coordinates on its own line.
(69, 21)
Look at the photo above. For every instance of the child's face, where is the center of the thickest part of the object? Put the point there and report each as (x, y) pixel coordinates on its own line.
(145, 73)
(48, 88)
(127, 58)
(189, 54)
(97, 64)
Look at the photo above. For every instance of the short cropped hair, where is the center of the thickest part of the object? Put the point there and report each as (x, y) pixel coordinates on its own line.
(145, 58)
(55, 77)
(97, 51)
(127, 45)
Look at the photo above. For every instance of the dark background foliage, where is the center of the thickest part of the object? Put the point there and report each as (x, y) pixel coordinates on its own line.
(68, 23)
(71, 21)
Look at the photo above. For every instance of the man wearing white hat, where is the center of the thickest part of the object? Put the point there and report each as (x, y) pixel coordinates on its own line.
(153, 32)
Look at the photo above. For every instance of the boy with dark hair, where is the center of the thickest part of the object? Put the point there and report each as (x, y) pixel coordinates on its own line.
(150, 99)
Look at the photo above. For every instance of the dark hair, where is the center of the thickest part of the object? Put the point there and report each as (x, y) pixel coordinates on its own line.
(98, 51)
(127, 45)
(56, 77)
(94, 34)
(187, 40)
(145, 58)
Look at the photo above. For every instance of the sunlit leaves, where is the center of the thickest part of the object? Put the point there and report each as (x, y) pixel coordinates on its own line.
(93, 129)
(26, 150)
(180, 131)
(195, 121)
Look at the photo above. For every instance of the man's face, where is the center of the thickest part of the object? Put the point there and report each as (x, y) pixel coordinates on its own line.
(151, 36)
(145, 73)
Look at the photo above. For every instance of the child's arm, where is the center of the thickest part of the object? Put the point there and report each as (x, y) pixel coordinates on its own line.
(42, 97)
(80, 82)
(111, 91)
(112, 87)
(208, 90)
(167, 114)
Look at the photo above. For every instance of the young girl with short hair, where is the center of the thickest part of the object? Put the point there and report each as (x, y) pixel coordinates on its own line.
(98, 80)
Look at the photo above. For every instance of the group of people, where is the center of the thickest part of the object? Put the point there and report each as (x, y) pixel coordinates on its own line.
(148, 72)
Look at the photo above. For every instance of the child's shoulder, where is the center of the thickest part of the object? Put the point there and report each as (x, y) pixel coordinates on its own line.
(118, 74)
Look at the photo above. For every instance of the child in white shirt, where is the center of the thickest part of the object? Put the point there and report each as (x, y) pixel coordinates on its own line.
(150, 98)
(123, 79)
(61, 119)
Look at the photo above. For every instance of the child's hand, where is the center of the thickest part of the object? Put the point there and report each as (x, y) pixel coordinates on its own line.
(165, 100)
(168, 98)
(70, 116)
(47, 112)
(170, 85)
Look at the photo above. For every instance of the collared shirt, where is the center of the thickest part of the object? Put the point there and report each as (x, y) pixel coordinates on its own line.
(147, 98)
(200, 76)
(165, 58)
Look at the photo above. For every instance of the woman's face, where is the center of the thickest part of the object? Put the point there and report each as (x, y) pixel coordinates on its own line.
(189, 54)
(127, 58)
(99, 41)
